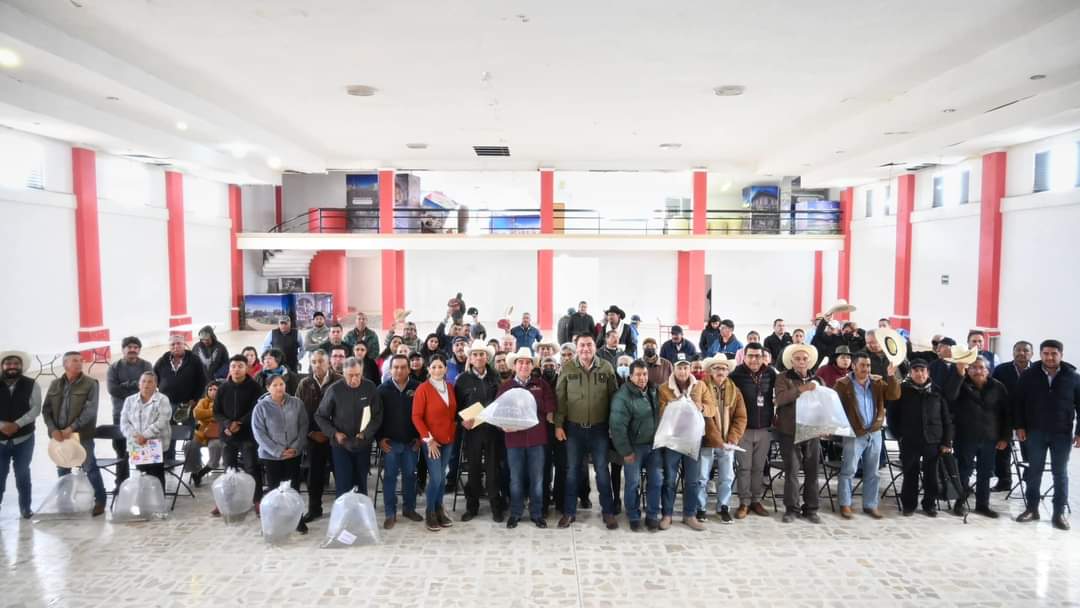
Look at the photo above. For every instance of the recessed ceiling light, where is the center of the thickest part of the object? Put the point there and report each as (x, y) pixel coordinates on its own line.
(729, 90)
(112, 98)
(1036, 76)
(181, 125)
(9, 59)
(670, 146)
(360, 90)
(273, 162)
(416, 146)
(949, 110)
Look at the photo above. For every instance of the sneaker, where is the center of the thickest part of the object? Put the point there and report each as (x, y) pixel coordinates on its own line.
(693, 523)
(812, 517)
(388, 524)
(651, 525)
(665, 522)
(701, 516)
(442, 518)
(759, 509)
(987, 512)
(1060, 522)
(789, 516)
(432, 522)
(635, 526)
(742, 512)
(1027, 516)
(409, 515)
(725, 515)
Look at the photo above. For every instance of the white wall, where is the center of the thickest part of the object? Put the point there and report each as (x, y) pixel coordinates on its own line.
(944, 242)
(491, 283)
(753, 288)
(1020, 172)
(302, 192)
(873, 270)
(365, 283)
(258, 204)
(209, 274)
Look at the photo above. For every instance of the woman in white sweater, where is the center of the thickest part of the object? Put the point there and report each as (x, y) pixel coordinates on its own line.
(147, 415)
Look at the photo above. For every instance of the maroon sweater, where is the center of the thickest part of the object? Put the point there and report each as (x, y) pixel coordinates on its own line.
(545, 404)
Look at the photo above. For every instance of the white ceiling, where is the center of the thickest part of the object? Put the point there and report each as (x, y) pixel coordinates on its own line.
(568, 85)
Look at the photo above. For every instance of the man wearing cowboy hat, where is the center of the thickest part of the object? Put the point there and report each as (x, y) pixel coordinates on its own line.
(863, 396)
(886, 347)
(526, 334)
(525, 449)
(20, 404)
(838, 367)
(939, 366)
(828, 332)
(723, 430)
(798, 360)
(922, 422)
(485, 447)
(614, 322)
(70, 406)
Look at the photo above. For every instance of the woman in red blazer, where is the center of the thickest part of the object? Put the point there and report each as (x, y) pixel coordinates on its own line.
(433, 415)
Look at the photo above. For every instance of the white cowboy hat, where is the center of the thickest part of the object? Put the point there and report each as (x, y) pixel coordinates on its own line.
(22, 356)
(67, 453)
(841, 305)
(715, 360)
(961, 354)
(791, 349)
(894, 345)
(480, 345)
(522, 353)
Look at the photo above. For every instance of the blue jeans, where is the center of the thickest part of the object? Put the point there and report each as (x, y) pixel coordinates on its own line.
(867, 449)
(93, 474)
(653, 463)
(402, 458)
(437, 467)
(19, 454)
(691, 476)
(579, 441)
(350, 469)
(1059, 445)
(978, 457)
(526, 467)
(725, 460)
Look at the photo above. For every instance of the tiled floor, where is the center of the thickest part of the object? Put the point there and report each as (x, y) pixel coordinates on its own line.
(195, 560)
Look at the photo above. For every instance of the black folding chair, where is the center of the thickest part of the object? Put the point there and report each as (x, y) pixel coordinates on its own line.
(110, 432)
(180, 433)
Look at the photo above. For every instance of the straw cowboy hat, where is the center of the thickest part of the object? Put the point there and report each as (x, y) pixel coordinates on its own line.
(715, 360)
(893, 344)
(522, 353)
(840, 306)
(791, 349)
(67, 453)
(961, 354)
(481, 346)
(20, 355)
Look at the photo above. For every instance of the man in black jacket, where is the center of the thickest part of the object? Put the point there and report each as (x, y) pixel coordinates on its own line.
(920, 419)
(776, 341)
(581, 322)
(1009, 375)
(181, 378)
(980, 408)
(211, 353)
(755, 381)
(311, 390)
(399, 441)
(484, 445)
(341, 417)
(1046, 405)
(233, 406)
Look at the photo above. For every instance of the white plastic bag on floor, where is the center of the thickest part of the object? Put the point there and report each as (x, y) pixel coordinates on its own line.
(234, 493)
(819, 413)
(514, 410)
(280, 511)
(352, 522)
(140, 499)
(681, 428)
(71, 497)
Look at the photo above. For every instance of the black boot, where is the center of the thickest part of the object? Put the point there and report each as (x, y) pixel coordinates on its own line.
(197, 476)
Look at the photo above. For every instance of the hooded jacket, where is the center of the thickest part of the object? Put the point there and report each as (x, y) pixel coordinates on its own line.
(214, 358)
(279, 427)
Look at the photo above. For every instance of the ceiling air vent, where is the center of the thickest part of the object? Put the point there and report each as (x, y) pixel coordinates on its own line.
(491, 150)
(1005, 105)
(890, 164)
(920, 166)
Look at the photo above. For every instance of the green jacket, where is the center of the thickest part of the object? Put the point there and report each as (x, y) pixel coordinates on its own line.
(584, 395)
(635, 413)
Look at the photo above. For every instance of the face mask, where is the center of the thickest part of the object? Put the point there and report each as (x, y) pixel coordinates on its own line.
(549, 374)
(623, 371)
(650, 352)
(698, 375)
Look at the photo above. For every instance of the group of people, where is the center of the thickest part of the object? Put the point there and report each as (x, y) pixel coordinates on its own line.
(596, 400)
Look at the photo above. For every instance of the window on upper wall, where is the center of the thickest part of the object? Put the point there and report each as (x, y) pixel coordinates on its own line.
(869, 203)
(888, 199)
(965, 187)
(1042, 172)
(939, 192)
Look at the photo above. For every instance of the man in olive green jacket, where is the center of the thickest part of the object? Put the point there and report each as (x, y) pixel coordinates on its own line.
(70, 406)
(586, 384)
(635, 414)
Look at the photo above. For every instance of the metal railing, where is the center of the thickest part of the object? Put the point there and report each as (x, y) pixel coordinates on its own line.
(656, 222)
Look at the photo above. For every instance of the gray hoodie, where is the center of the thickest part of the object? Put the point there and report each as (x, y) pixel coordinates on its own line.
(279, 427)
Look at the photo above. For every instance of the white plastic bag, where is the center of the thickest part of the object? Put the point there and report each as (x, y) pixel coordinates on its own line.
(681, 428)
(234, 493)
(280, 511)
(514, 410)
(819, 413)
(140, 499)
(72, 497)
(352, 522)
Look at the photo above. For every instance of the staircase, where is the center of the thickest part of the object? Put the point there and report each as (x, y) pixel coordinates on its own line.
(286, 263)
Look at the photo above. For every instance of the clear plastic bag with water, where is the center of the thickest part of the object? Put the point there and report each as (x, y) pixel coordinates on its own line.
(819, 413)
(72, 497)
(280, 512)
(514, 410)
(234, 493)
(681, 428)
(140, 498)
(352, 522)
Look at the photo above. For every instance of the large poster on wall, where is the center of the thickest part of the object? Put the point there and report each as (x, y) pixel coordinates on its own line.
(362, 202)
(305, 305)
(261, 311)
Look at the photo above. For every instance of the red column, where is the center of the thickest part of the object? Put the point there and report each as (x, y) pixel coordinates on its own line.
(399, 268)
(87, 246)
(905, 203)
(329, 273)
(392, 283)
(701, 194)
(174, 202)
(843, 274)
(278, 211)
(545, 279)
(682, 289)
(993, 190)
(236, 257)
(695, 263)
(819, 279)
